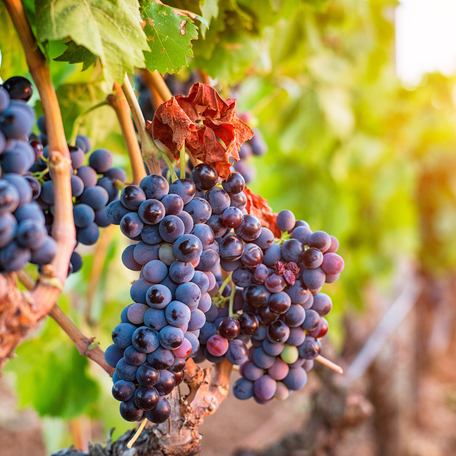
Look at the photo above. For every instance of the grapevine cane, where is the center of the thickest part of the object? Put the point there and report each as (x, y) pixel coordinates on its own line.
(46, 292)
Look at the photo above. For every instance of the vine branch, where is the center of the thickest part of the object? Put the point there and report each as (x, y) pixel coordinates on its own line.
(86, 346)
(32, 307)
(154, 81)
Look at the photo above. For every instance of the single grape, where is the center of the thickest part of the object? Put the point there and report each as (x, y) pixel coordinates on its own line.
(122, 333)
(243, 389)
(155, 186)
(146, 398)
(123, 390)
(100, 160)
(264, 388)
(129, 411)
(171, 337)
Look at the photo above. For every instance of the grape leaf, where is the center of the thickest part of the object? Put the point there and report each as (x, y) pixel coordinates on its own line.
(109, 30)
(209, 10)
(77, 54)
(169, 37)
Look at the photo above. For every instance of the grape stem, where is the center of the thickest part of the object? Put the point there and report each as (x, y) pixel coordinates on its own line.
(120, 105)
(231, 303)
(329, 364)
(79, 119)
(225, 283)
(137, 433)
(170, 166)
(182, 162)
(42, 298)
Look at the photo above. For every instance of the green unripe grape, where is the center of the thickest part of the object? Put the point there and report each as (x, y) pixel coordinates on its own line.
(289, 354)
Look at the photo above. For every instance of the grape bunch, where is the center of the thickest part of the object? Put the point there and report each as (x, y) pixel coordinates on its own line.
(94, 184)
(23, 235)
(281, 282)
(174, 251)
(215, 284)
(275, 314)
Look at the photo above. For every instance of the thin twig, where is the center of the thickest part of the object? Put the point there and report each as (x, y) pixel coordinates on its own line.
(26, 280)
(329, 364)
(86, 345)
(138, 117)
(156, 99)
(120, 105)
(204, 77)
(137, 433)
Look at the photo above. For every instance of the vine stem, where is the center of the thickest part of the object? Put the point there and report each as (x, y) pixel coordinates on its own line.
(159, 83)
(44, 295)
(120, 105)
(156, 99)
(60, 164)
(138, 117)
(231, 302)
(150, 151)
(86, 346)
(182, 162)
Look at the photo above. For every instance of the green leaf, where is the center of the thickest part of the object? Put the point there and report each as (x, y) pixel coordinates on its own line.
(109, 30)
(209, 10)
(52, 376)
(77, 54)
(169, 37)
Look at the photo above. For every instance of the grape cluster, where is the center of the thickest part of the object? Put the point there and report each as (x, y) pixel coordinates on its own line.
(276, 308)
(94, 184)
(175, 253)
(23, 235)
(215, 284)
(281, 282)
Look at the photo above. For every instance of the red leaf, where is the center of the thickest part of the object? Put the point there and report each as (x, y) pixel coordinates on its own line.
(259, 207)
(207, 125)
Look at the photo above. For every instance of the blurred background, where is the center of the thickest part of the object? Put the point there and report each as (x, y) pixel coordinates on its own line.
(356, 102)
